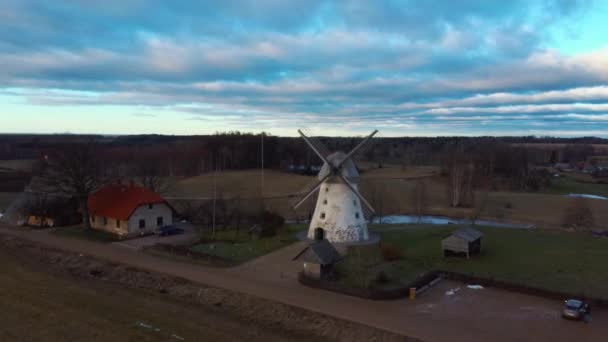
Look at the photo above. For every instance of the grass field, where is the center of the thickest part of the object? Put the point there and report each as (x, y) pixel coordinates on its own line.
(390, 190)
(37, 306)
(569, 185)
(79, 232)
(17, 165)
(571, 262)
(237, 249)
(6, 198)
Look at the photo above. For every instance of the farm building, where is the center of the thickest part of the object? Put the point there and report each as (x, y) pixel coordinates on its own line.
(128, 210)
(463, 241)
(318, 259)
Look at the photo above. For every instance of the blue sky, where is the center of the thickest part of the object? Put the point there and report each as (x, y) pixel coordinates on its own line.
(407, 68)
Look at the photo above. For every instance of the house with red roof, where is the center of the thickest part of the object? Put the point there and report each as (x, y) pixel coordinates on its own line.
(128, 210)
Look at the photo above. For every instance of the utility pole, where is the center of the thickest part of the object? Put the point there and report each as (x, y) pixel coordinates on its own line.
(214, 196)
(262, 182)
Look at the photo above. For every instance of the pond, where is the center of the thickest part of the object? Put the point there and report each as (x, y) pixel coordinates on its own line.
(588, 196)
(428, 219)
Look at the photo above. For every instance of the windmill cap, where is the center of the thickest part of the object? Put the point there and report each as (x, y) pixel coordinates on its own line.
(348, 168)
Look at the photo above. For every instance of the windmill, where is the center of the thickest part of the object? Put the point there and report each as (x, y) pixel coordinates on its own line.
(339, 212)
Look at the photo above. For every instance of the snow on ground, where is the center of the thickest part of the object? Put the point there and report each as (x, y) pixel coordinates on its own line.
(588, 196)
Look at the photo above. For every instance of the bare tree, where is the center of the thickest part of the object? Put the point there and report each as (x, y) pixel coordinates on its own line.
(76, 171)
(419, 197)
(460, 170)
(578, 214)
(377, 201)
(151, 173)
(479, 205)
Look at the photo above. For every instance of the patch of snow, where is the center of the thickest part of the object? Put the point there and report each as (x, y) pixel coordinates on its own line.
(475, 287)
(147, 326)
(452, 292)
(588, 196)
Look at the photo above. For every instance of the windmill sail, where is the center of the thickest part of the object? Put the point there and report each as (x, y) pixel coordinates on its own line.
(341, 209)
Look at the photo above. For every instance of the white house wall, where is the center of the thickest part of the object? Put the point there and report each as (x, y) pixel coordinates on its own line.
(149, 215)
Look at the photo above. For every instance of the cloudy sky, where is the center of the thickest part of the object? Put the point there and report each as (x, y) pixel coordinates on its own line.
(336, 67)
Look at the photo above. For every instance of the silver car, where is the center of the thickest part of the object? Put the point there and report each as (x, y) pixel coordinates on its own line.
(575, 309)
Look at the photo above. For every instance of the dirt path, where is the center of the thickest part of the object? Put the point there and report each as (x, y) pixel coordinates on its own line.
(490, 315)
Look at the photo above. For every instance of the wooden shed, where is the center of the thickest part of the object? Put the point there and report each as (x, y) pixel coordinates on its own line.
(465, 241)
(318, 259)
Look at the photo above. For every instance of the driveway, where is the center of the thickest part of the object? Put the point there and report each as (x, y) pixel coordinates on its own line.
(468, 315)
(189, 236)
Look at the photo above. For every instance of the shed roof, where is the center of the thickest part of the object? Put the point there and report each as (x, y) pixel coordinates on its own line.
(468, 234)
(319, 252)
(119, 201)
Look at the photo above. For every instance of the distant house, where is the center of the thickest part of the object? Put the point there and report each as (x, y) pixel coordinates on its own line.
(318, 259)
(465, 241)
(128, 210)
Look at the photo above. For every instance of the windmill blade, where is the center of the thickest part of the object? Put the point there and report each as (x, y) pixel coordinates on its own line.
(309, 190)
(356, 148)
(361, 198)
(316, 146)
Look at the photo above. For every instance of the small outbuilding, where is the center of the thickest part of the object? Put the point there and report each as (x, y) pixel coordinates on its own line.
(318, 259)
(465, 241)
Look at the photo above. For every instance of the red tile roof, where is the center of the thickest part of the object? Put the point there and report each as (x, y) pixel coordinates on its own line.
(119, 201)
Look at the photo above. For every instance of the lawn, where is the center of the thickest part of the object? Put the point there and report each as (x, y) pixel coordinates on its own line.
(79, 232)
(568, 185)
(40, 306)
(6, 198)
(554, 260)
(240, 248)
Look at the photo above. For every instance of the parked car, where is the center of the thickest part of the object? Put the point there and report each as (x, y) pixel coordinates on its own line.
(575, 309)
(169, 230)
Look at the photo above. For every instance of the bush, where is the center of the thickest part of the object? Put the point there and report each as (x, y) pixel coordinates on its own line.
(390, 252)
(270, 223)
(382, 278)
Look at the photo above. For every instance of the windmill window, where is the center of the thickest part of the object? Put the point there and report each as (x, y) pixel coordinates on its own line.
(325, 201)
(354, 202)
(326, 189)
(356, 215)
(323, 216)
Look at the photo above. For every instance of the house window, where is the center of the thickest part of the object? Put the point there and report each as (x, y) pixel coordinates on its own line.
(117, 223)
(322, 216)
(356, 215)
(105, 220)
(150, 206)
(92, 219)
(159, 221)
(142, 224)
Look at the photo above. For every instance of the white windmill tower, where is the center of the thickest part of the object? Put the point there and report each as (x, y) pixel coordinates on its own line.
(338, 215)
